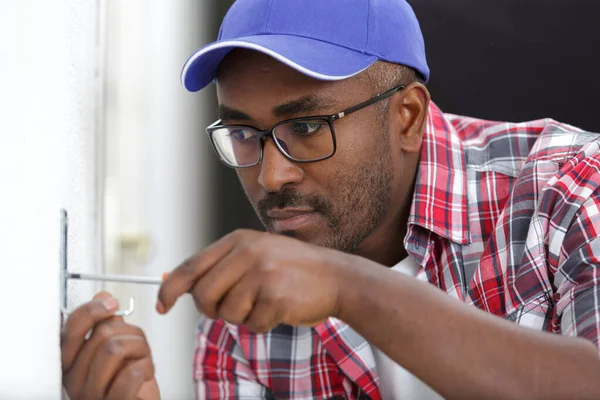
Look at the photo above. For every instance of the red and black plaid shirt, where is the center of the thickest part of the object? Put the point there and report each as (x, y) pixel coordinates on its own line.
(505, 217)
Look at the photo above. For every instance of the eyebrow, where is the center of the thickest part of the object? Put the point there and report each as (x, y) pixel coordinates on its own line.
(304, 105)
(226, 113)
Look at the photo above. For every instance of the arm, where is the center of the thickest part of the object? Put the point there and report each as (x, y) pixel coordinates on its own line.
(262, 280)
(220, 369)
(461, 351)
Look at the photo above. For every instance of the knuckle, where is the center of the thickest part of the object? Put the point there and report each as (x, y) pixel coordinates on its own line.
(271, 273)
(206, 300)
(105, 332)
(138, 332)
(136, 371)
(113, 348)
(247, 250)
(272, 297)
(200, 287)
(278, 298)
(188, 265)
(142, 369)
(235, 314)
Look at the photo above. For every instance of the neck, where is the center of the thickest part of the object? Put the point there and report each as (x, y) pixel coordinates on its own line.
(385, 245)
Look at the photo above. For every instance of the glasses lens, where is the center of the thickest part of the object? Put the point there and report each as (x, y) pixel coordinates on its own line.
(238, 146)
(305, 140)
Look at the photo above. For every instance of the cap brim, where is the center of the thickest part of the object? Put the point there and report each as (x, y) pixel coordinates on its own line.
(317, 59)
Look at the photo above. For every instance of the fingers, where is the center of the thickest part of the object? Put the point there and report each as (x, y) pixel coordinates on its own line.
(238, 302)
(264, 316)
(132, 380)
(110, 358)
(213, 287)
(77, 377)
(183, 278)
(80, 322)
(92, 367)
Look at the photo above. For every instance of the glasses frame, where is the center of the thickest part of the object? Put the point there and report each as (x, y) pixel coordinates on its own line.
(262, 134)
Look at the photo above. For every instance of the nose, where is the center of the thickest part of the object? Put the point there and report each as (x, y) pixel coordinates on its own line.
(276, 171)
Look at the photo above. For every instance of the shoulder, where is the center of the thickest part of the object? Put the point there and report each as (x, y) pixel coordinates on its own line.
(562, 143)
(507, 147)
(572, 191)
(559, 172)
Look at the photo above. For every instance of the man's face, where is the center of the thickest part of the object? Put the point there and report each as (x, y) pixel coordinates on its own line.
(337, 202)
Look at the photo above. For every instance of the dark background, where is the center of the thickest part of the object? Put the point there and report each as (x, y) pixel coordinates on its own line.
(232, 208)
(509, 60)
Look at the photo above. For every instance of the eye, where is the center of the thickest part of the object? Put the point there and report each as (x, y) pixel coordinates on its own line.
(306, 128)
(241, 134)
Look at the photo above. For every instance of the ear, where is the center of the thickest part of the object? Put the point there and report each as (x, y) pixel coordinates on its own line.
(409, 109)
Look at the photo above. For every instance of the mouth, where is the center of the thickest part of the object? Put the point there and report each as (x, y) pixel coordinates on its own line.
(291, 219)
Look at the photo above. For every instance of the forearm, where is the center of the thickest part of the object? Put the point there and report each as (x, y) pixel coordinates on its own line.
(461, 351)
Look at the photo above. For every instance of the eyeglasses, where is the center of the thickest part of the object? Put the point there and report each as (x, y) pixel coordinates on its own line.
(302, 140)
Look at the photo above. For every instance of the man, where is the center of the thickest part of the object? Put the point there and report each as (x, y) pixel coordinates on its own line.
(353, 170)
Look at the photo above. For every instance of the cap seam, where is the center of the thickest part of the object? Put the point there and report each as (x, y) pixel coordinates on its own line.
(222, 25)
(266, 27)
(368, 24)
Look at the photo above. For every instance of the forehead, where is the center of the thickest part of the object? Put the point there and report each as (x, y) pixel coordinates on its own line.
(244, 62)
(247, 76)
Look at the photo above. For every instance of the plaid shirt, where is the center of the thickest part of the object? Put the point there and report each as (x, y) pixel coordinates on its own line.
(505, 217)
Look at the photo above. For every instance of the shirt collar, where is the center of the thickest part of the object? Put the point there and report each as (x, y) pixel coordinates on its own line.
(440, 198)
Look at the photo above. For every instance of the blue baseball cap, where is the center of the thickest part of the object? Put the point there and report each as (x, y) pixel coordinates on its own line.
(324, 39)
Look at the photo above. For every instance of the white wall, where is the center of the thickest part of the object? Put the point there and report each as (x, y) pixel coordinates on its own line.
(48, 106)
(66, 86)
(158, 188)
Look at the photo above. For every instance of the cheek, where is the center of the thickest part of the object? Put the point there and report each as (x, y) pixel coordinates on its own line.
(353, 155)
(358, 139)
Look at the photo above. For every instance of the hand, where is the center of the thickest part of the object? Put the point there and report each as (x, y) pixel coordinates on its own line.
(113, 363)
(259, 280)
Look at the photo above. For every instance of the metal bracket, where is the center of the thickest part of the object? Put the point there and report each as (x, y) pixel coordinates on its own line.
(65, 275)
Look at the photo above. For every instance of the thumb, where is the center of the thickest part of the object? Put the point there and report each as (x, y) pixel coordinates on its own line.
(103, 295)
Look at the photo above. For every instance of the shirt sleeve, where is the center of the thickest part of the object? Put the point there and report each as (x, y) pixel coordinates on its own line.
(221, 371)
(577, 278)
